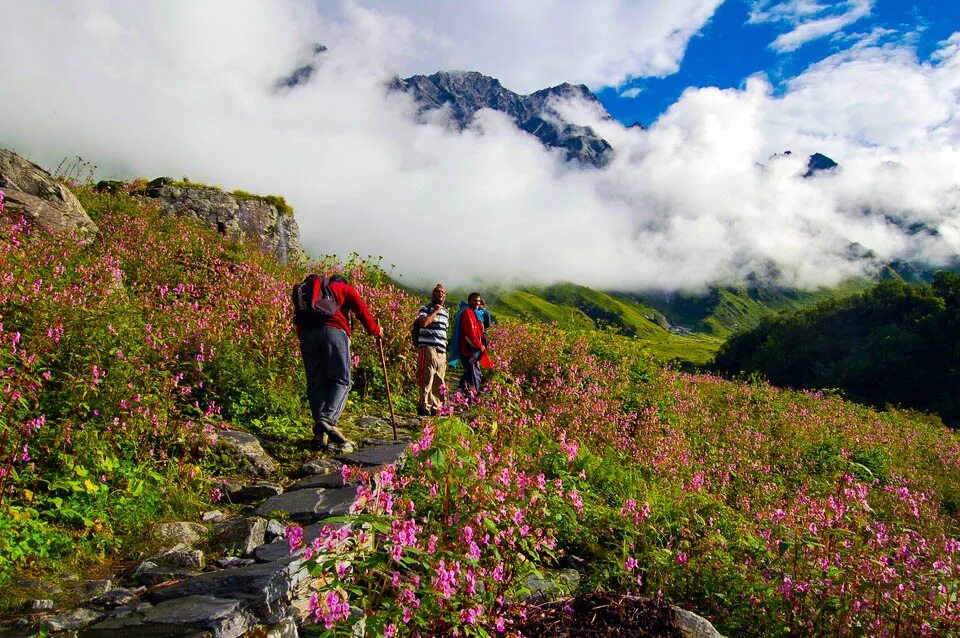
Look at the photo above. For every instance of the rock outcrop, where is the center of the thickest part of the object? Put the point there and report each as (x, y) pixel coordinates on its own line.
(32, 192)
(265, 220)
(466, 92)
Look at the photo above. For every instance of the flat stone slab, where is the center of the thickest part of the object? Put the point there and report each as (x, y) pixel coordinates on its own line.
(310, 506)
(324, 481)
(375, 455)
(280, 549)
(186, 616)
(156, 574)
(73, 619)
(255, 586)
(254, 493)
(318, 466)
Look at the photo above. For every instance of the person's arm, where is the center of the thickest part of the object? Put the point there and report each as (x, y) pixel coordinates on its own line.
(369, 323)
(427, 319)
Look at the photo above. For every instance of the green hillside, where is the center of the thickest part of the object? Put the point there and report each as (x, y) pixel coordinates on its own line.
(895, 343)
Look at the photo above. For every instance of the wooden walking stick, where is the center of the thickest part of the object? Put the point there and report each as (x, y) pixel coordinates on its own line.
(386, 380)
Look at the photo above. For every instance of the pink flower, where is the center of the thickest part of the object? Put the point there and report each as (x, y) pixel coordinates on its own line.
(294, 535)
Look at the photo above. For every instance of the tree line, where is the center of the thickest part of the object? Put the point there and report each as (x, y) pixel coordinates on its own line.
(895, 344)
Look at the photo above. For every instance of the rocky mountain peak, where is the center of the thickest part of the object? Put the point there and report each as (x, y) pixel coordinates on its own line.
(466, 92)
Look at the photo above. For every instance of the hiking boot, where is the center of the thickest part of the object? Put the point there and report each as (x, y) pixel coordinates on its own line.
(319, 441)
(336, 441)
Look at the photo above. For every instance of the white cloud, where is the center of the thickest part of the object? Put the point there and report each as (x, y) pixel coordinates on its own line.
(533, 44)
(185, 89)
(809, 20)
(631, 92)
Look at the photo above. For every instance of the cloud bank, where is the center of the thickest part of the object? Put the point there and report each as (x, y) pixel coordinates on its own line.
(184, 88)
(809, 20)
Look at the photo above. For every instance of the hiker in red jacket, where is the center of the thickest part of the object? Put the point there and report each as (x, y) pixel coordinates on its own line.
(472, 348)
(325, 349)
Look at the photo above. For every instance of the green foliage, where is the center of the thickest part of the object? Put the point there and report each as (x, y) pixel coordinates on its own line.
(894, 344)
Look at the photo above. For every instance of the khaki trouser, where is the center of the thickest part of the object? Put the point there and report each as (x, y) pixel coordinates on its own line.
(431, 368)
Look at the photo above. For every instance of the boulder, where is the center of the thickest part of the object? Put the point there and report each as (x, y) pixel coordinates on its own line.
(241, 535)
(249, 451)
(32, 192)
(692, 625)
(266, 221)
(181, 533)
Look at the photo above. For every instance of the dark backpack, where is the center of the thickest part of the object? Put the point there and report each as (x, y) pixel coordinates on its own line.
(313, 302)
(415, 332)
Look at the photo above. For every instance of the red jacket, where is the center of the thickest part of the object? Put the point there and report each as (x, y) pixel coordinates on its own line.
(349, 299)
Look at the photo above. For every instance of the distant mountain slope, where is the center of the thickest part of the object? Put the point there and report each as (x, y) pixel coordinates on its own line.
(895, 343)
(724, 310)
(466, 92)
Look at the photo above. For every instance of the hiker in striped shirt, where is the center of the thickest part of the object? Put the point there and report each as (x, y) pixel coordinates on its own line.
(431, 352)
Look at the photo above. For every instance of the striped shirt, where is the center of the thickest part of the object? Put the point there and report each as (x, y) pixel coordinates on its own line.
(435, 334)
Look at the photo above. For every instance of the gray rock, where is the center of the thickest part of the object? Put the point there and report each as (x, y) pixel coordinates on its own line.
(325, 481)
(93, 588)
(376, 455)
(251, 218)
(232, 562)
(181, 533)
(213, 516)
(114, 598)
(318, 467)
(309, 506)
(241, 535)
(154, 574)
(32, 192)
(248, 449)
(192, 615)
(692, 625)
(75, 619)
(279, 549)
(275, 530)
(264, 589)
(180, 556)
(254, 493)
(43, 604)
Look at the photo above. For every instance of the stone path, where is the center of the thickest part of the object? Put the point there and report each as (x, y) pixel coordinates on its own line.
(253, 586)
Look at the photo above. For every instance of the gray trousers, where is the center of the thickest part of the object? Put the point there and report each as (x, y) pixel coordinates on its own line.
(326, 361)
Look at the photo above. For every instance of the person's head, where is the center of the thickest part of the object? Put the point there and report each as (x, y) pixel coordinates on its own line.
(439, 295)
(338, 278)
(481, 303)
(474, 300)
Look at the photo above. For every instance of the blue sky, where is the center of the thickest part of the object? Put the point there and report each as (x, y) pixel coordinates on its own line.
(730, 48)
